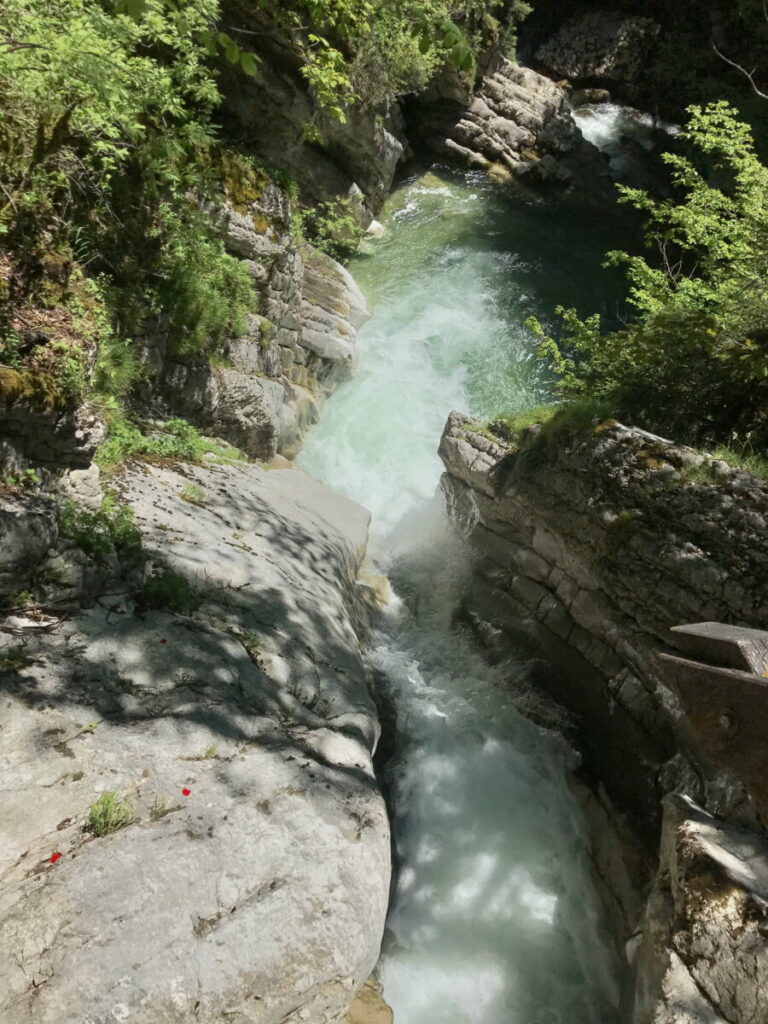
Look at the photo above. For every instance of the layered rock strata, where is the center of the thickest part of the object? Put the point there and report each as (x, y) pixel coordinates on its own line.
(260, 392)
(592, 544)
(268, 385)
(215, 691)
(517, 124)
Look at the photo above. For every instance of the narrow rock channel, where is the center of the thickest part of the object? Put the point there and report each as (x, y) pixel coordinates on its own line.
(495, 915)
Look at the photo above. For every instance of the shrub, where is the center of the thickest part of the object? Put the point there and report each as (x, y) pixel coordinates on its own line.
(166, 590)
(333, 228)
(204, 292)
(101, 532)
(177, 439)
(695, 360)
(104, 140)
(23, 480)
(192, 494)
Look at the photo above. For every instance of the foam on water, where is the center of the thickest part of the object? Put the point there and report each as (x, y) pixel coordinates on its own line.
(609, 126)
(495, 917)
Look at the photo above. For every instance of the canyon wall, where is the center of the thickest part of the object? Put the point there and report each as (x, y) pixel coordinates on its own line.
(592, 544)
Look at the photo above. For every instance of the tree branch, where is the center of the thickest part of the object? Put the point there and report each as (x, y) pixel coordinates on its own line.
(750, 76)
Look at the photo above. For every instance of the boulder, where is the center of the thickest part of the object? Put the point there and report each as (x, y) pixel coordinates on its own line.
(518, 121)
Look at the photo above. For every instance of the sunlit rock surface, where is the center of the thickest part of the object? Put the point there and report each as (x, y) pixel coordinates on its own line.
(252, 883)
(517, 124)
(267, 386)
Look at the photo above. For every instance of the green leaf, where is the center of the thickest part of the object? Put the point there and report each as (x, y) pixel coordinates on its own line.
(136, 8)
(248, 62)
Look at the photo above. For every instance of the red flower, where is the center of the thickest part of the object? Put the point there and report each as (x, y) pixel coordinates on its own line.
(186, 792)
(163, 641)
(55, 857)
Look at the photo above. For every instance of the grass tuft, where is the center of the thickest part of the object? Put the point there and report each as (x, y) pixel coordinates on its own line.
(109, 814)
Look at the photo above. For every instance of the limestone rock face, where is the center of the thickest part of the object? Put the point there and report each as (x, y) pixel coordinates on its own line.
(356, 159)
(518, 123)
(704, 933)
(269, 383)
(48, 436)
(595, 543)
(591, 544)
(28, 528)
(233, 716)
(602, 46)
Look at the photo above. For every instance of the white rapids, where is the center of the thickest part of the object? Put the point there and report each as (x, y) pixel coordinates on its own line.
(495, 916)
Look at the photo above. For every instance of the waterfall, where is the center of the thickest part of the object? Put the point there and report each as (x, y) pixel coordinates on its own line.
(495, 916)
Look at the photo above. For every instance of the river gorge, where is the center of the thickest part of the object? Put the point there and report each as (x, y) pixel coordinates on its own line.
(349, 672)
(495, 915)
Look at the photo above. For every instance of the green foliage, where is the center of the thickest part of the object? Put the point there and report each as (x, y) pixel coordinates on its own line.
(265, 333)
(101, 532)
(555, 420)
(85, 102)
(333, 228)
(205, 292)
(166, 590)
(359, 49)
(176, 440)
(22, 480)
(192, 494)
(105, 163)
(746, 459)
(695, 359)
(109, 814)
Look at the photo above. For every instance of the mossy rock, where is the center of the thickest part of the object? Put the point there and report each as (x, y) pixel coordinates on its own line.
(242, 180)
(40, 390)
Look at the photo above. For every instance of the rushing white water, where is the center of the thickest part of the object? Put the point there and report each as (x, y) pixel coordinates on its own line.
(495, 918)
(610, 126)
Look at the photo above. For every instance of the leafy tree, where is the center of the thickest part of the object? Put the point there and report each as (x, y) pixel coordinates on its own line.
(695, 359)
(104, 164)
(364, 50)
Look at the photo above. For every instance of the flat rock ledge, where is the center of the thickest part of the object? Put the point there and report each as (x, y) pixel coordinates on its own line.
(251, 884)
(592, 544)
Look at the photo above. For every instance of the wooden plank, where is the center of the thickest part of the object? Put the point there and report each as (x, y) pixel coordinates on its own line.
(726, 719)
(720, 644)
